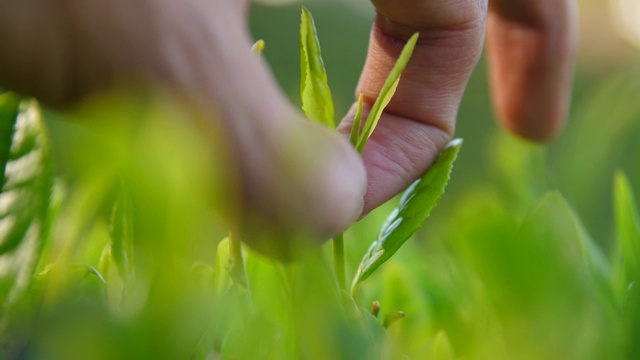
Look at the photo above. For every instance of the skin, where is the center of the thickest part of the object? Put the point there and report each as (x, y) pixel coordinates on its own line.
(62, 51)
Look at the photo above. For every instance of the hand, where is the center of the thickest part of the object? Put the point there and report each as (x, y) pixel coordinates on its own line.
(61, 51)
(531, 45)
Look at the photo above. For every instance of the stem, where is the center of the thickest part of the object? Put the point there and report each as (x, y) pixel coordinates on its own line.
(338, 261)
(236, 263)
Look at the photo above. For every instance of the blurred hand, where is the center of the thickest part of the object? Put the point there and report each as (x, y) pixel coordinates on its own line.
(61, 51)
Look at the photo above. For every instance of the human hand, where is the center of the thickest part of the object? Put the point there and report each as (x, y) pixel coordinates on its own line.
(531, 45)
(61, 51)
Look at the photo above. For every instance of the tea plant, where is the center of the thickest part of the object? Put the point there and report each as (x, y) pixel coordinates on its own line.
(128, 258)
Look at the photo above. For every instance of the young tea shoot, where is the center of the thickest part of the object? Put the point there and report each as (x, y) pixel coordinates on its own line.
(415, 207)
(386, 93)
(317, 102)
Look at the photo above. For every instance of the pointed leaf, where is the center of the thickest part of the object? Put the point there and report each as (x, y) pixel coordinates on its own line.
(357, 122)
(317, 102)
(25, 193)
(122, 234)
(628, 232)
(415, 207)
(442, 349)
(387, 92)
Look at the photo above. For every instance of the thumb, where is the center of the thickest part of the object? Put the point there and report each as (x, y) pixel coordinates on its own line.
(295, 177)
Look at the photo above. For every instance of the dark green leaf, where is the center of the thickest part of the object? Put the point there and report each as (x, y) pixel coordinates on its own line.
(415, 206)
(317, 102)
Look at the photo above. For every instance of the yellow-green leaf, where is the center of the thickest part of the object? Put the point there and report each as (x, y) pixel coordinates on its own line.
(387, 92)
(317, 102)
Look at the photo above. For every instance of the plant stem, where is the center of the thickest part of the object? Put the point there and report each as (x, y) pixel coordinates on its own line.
(236, 263)
(338, 260)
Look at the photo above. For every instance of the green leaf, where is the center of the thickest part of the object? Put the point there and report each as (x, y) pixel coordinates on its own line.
(442, 349)
(357, 120)
(388, 89)
(317, 102)
(631, 318)
(628, 232)
(122, 234)
(9, 105)
(415, 206)
(25, 194)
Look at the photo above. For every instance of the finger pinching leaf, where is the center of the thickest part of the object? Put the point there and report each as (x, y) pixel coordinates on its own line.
(415, 207)
(317, 102)
(387, 92)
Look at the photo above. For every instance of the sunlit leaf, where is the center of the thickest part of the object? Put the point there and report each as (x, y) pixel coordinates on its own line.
(442, 349)
(25, 195)
(387, 92)
(317, 102)
(392, 317)
(628, 232)
(415, 207)
(357, 122)
(122, 234)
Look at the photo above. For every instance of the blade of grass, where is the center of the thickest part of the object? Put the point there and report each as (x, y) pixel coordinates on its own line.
(317, 102)
(387, 92)
(415, 207)
(122, 234)
(338, 261)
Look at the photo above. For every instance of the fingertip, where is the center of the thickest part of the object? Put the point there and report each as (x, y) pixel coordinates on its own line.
(530, 114)
(532, 49)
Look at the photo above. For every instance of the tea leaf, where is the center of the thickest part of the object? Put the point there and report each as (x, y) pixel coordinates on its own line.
(122, 234)
(317, 102)
(442, 349)
(392, 317)
(387, 92)
(415, 207)
(628, 232)
(25, 193)
(9, 104)
(357, 122)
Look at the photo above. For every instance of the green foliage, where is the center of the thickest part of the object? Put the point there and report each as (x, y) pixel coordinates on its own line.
(415, 207)
(24, 197)
(386, 93)
(317, 102)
